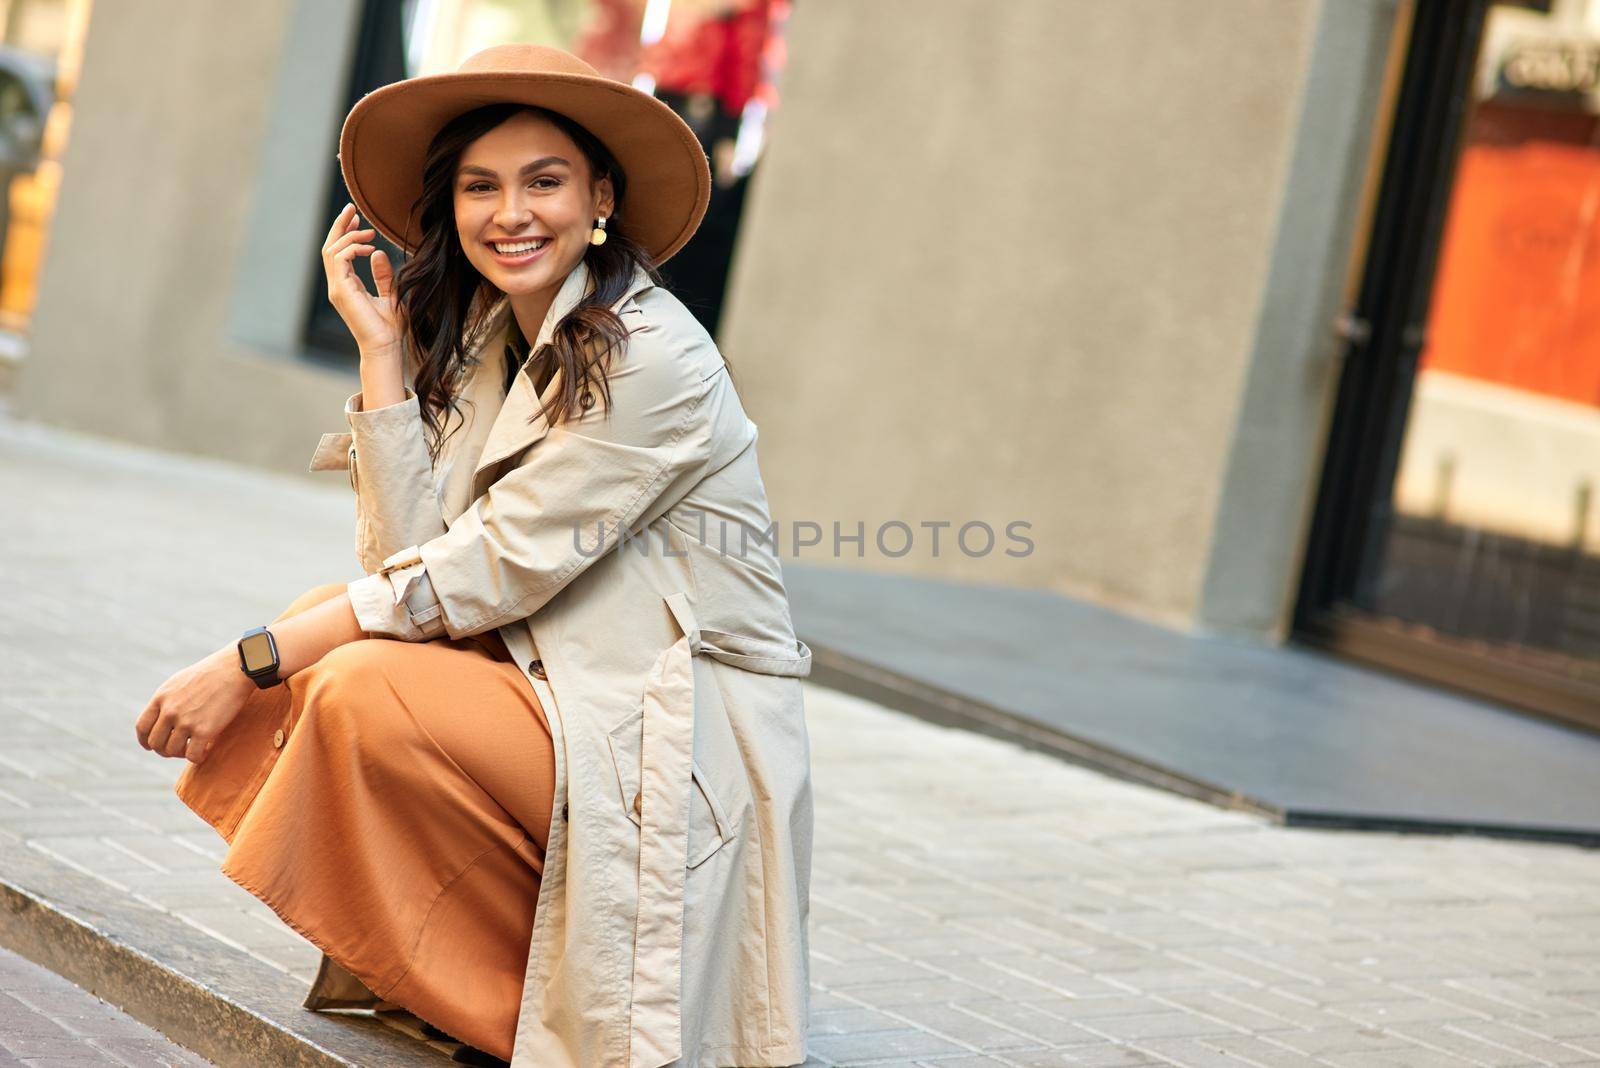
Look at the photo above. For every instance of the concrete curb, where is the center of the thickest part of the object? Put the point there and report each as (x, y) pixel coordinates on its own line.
(226, 1007)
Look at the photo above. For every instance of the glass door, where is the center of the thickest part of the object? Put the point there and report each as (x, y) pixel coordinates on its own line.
(1458, 527)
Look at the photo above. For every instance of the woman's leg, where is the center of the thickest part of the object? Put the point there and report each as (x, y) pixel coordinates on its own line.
(403, 828)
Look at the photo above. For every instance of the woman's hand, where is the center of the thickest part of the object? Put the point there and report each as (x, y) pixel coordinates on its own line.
(373, 321)
(191, 709)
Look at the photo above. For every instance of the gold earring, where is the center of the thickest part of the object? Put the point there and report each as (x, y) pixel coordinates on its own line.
(597, 236)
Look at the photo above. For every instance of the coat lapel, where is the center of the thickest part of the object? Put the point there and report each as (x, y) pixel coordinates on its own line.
(521, 421)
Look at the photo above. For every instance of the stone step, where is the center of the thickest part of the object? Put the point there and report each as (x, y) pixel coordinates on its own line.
(228, 1007)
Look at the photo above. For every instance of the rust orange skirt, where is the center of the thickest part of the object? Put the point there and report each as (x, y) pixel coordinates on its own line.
(399, 820)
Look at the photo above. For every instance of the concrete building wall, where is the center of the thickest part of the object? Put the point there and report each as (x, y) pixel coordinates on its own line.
(134, 335)
(1009, 262)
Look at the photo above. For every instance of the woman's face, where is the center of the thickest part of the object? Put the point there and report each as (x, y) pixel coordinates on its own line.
(526, 182)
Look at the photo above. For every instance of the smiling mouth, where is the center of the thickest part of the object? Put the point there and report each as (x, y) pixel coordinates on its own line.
(515, 253)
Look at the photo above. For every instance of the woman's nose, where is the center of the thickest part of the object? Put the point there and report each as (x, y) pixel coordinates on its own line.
(512, 213)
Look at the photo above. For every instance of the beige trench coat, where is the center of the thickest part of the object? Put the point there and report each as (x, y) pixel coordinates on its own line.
(629, 565)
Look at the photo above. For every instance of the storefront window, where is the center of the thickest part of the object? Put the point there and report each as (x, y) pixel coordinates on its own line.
(715, 62)
(1493, 536)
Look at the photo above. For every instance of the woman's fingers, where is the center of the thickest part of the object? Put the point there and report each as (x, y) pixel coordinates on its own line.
(347, 292)
(350, 252)
(157, 727)
(342, 277)
(341, 223)
(382, 272)
(350, 246)
(171, 740)
(147, 721)
(179, 743)
(343, 235)
(161, 735)
(353, 237)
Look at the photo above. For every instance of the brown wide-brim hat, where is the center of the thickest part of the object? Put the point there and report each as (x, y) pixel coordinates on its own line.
(387, 133)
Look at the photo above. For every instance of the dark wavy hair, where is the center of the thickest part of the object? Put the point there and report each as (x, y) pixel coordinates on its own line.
(444, 303)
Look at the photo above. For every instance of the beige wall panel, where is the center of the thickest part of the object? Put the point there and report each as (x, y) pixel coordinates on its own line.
(1005, 261)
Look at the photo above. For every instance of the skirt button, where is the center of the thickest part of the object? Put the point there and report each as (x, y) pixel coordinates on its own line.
(536, 668)
(277, 739)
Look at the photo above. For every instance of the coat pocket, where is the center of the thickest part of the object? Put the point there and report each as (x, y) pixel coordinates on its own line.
(709, 828)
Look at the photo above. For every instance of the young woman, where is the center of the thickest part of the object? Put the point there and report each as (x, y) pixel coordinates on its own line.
(542, 776)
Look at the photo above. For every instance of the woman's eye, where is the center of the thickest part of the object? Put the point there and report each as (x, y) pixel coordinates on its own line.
(553, 183)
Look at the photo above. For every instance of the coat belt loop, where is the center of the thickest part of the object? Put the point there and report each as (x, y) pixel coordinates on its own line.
(411, 554)
(683, 612)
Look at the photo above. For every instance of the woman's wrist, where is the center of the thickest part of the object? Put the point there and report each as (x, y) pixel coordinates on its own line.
(382, 380)
(381, 392)
(380, 355)
(229, 655)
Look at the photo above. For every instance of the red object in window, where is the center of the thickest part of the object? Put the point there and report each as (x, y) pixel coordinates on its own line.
(1516, 298)
(720, 54)
(609, 39)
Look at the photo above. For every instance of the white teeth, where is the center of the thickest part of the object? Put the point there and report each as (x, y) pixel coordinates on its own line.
(522, 246)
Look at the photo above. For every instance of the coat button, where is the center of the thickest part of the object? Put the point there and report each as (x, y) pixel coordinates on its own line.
(536, 668)
(277, 738)
(563, 810)
(636, 799)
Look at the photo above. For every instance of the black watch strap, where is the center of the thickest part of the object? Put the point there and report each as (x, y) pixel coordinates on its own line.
(258, 657)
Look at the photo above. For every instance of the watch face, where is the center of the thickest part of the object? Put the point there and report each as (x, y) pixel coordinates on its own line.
(256, 652)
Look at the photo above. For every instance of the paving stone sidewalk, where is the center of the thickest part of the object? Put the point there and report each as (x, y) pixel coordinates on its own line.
(46, 1021)
(973, 903)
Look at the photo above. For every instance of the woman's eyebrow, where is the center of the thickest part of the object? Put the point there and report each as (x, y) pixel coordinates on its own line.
(543, 161)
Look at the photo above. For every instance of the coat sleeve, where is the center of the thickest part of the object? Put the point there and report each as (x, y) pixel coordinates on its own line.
(396, 503)
(589, 480)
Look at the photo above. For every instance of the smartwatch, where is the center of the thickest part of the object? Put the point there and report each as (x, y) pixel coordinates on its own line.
(258, 657)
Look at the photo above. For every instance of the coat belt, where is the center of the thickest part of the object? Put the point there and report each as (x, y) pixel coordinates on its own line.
(666, 766)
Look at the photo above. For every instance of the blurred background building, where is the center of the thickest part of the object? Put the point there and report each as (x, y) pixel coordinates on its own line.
(1271, 318)
(41, 50)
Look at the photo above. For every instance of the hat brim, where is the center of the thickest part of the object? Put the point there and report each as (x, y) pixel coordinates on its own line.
(386, 134)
